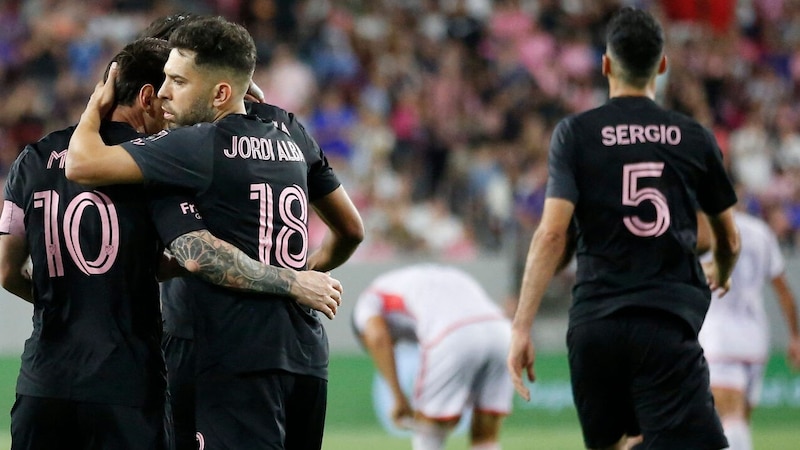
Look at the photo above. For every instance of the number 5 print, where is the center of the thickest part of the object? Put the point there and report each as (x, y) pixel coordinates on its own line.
(633, 196)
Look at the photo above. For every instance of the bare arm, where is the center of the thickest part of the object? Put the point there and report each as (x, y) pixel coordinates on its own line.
(345, 231)
(221, 263)
(789, 308)
(89, 160)
(725, 249)
(546, 251)
(378, 342)
(13, 253)
(704, 236)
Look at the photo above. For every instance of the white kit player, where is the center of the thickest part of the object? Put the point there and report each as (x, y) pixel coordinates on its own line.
(463, 336)
(735, 334)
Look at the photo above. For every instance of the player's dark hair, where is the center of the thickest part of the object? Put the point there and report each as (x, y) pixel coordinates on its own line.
(218, 44)
(635, 40)
(139, 63)
(163, 27)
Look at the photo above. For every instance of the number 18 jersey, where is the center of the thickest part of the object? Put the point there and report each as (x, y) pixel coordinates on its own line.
(635, 173)
(253, 180)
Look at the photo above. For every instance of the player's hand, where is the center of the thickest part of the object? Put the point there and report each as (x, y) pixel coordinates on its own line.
(403, 414)
(318, 291)
(27, 269)
(712, 278)
(102, 99)
(254, 93)
(793, 353)
(520, 357)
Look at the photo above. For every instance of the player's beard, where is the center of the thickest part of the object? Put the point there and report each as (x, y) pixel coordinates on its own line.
(199, 111)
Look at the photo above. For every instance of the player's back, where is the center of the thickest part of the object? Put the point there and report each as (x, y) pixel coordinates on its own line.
(96, 313)
(262, 176)
(434, 298)
(639, 171)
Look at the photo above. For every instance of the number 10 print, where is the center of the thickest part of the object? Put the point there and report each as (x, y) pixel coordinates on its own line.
(71, 227)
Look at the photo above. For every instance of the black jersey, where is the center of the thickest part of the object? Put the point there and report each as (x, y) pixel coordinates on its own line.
(253, 180)
(177, 294)
(636, 173)
(96, 319)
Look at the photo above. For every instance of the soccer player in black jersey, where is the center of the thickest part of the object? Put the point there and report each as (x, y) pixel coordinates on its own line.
(177, 294)
(629, 175)
(261, 365)
(92, 373)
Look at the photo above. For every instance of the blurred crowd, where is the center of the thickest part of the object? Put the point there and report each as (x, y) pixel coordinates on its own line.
(437, 114)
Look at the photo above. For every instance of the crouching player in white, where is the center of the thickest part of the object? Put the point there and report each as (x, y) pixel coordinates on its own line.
(735, 334)
(463, 337)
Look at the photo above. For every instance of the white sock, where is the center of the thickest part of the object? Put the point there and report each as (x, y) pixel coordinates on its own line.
(737, 431)
(428, 436)
(486, 446)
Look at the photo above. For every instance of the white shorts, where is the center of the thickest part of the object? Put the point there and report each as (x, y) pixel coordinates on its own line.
(741, 376)
(466, 368)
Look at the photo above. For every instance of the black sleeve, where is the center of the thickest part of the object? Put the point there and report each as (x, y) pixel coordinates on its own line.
(14, 188)
(716, 192)
(561, 182)
(174, 214)
(182, 157)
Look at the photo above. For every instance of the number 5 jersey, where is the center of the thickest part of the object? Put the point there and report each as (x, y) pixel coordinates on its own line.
(636, 174)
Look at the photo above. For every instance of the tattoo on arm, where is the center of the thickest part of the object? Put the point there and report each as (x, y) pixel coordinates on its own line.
(221, 263)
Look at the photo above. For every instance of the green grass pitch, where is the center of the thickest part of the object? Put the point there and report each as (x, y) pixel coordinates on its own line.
(352, 425)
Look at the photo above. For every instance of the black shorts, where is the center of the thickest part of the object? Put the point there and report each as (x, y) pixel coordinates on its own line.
(274, 409)
(642, 371)
(179, 356)
(39, 423)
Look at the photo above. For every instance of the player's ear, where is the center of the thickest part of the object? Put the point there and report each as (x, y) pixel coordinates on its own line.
(662, 65)
(223, 92)
(606, 65)
(146, 96)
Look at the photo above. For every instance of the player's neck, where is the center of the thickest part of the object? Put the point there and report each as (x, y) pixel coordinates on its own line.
(617, 88)
(130, 115)
(236, 107)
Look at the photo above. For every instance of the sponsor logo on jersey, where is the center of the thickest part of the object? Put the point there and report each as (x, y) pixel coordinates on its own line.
(189, 208)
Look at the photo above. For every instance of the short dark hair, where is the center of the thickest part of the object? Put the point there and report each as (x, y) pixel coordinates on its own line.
(163, 27)
(636, 40)
(139, 63)
(218, 44)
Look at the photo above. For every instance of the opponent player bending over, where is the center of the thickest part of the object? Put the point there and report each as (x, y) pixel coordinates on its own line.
(463, 337)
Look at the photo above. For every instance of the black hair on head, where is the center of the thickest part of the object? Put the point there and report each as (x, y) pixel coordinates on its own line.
(139, 63)
(636, 40)
(163, 27)
(217, 43)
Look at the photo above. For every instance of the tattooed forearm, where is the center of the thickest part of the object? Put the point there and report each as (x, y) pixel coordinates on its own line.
(221, 263)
